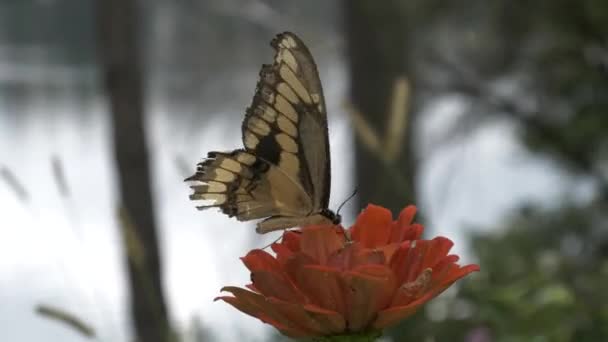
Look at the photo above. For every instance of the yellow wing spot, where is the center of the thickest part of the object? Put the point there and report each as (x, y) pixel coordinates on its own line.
(216, 198)
(211, 186)
(287, 126)
(286, 142)
(258, 126)
(289, 163)
(231, 165)
(287, 57)
(246, 158)
(294, 82)
(285, 90)
(285, 108)
(222, 175)
(290, 42)
(251, 141)
(266, 113)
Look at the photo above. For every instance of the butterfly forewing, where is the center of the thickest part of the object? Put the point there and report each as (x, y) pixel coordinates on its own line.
(283, 173)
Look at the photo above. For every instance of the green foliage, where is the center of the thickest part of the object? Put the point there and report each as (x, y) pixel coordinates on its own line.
(542, 279)
(544, 275)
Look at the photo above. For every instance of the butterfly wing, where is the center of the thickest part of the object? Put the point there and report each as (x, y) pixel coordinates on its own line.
(283, 173)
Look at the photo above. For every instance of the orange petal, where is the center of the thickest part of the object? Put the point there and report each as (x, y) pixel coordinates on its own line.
(295, 262)
(384, 274)
(454, 272)
(437, 250)
(369, 257)
(259, 260)
(282, 251)
(451, 273)
(272, 284)
(319, 242)
(410, 291)
(400, 234)
(392, 316)
(413, 232)
(372, 227)
(297, 316)
(354, 255)
(291, 240)
(331, 321)
(323, 286)
(257, 306)
(389, 250)
(344, 259)
(403, 229)
(368, 289)
(406, 216)
(407, 261)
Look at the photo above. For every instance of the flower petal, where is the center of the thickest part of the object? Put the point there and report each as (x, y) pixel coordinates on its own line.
(331, 321)
(319, 242)
(413, 290)
(438, 249)
(257, 306)
(291, 240)
(403, 259)
(393, 315)
(372, 227)
(296, 315)
(258, 260)
(353, 255)
(406, 216)
(369, 257)
(451, 273)
(368, 289)
(272, 284)
(282, 251)
(389, 250)
(323, 286)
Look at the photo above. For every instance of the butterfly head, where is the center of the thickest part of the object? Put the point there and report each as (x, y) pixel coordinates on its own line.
(330, 215)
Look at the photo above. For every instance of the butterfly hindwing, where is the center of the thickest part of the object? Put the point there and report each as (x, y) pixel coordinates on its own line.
(283, 172)
(244, 186)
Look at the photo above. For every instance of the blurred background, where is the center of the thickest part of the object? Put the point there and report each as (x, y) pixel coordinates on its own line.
(490, 116)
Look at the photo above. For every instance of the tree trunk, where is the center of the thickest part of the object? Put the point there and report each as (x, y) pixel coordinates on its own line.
(376, 46)
(118, 26)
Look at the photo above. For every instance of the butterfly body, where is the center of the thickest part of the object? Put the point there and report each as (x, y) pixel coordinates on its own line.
(283, 173)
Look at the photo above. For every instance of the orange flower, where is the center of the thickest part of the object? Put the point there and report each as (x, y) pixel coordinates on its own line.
(321, 283)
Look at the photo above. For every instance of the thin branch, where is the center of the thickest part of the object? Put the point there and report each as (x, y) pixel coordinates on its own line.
(470, 86)
(13, 182)
(68, 319)
(388, 148)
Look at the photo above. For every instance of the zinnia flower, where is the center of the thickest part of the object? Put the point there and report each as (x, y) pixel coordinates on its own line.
(328, 281)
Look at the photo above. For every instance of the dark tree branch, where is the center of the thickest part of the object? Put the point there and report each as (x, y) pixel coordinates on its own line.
(118, 25)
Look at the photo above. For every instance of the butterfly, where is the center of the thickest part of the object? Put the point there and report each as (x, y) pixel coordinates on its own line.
(283, 172)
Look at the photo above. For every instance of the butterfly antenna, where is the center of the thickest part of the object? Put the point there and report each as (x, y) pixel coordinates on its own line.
(348, 199)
